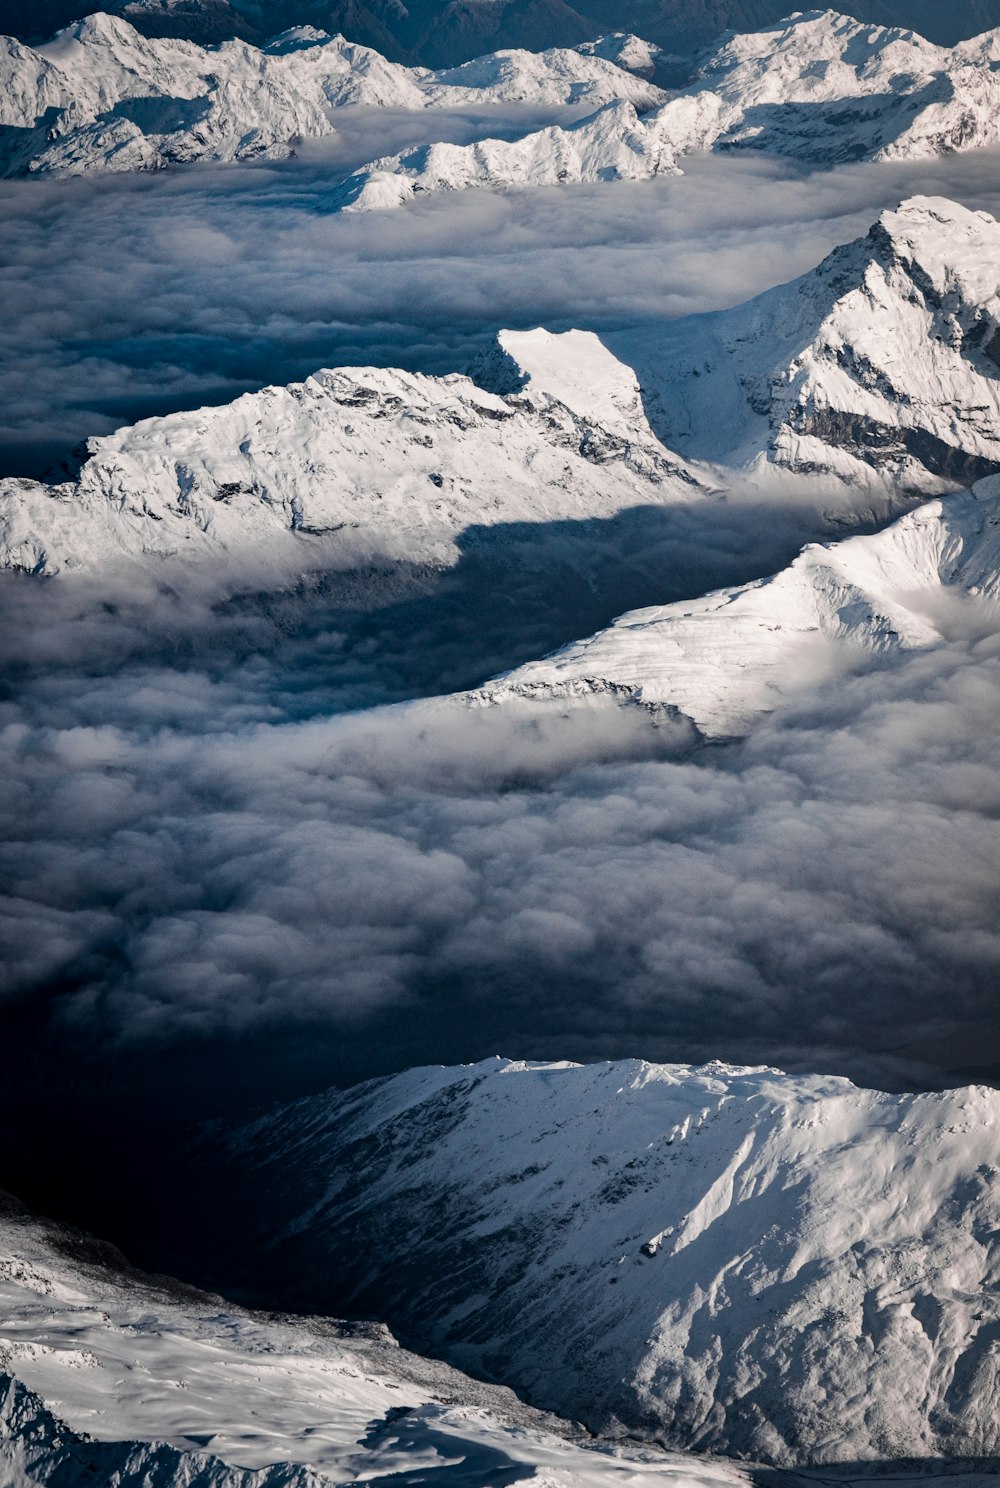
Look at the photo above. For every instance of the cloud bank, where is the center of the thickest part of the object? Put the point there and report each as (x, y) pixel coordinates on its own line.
(189, 857)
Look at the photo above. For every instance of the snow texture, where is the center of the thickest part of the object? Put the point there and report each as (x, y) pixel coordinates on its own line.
(725, 660)
(110, 1377)
(349, 467)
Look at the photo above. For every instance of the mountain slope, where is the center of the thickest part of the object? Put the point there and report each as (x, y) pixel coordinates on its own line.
(162, 1385)
(730, 657)
(789, 1268)
(825, 88)
(100, 96)
(875, 373)
(36, 1448)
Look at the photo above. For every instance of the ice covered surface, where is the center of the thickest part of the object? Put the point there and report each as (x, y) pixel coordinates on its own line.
(176, 1387)
(730, 657)
(787, 1267)
(100, 96)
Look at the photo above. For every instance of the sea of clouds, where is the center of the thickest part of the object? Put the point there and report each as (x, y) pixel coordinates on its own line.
(249, 850)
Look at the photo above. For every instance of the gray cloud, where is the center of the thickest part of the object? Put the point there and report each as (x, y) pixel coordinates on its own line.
(194, 862)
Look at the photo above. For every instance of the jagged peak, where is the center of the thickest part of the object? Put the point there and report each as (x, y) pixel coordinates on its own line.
(98, 28)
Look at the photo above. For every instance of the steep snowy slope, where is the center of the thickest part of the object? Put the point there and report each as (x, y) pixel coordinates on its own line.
(162, 1385)
(786, 1267)
(349, 466)
(612, 145)
(100, 96)
(36, 1448)
(728, 658)
(881, 361)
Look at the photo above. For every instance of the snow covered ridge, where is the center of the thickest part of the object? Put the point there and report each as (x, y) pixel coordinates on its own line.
(885, 358)
(787, 1268)
(100, 96)
(725, 660)
(826, 88)
(37, 1448)
(818, 86)
(614, 144)
(109, 1379)
(350, 466)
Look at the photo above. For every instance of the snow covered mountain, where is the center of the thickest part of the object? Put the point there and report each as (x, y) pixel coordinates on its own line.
(881, 361)
(820, 87)
(825, 88)
(789, 1268)
(349, 467)
(730, 657)
(100, 96)
(612, 145)
(110, 1377)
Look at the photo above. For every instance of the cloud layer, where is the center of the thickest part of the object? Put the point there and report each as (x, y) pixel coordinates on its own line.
(193, 858)
(234, 873)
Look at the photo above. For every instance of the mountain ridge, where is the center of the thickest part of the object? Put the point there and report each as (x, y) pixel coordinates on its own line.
(786, 1268)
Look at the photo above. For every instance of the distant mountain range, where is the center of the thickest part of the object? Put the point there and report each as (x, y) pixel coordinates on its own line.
(440, 33)
(818, 87)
